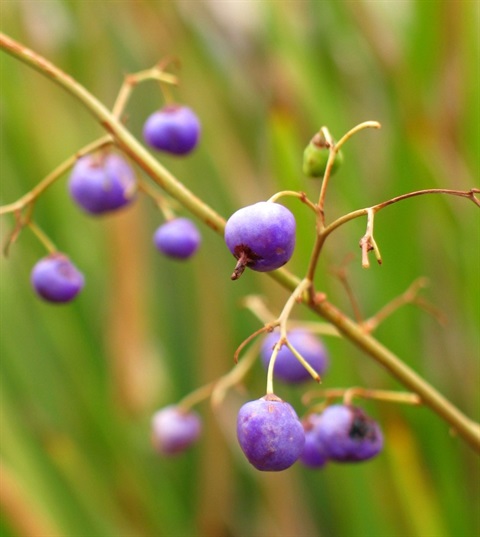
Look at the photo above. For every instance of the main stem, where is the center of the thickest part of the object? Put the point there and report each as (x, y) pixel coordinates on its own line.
(352, 331)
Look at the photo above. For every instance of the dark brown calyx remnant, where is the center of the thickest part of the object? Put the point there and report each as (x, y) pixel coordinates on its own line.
(320, 141)
(245, 258)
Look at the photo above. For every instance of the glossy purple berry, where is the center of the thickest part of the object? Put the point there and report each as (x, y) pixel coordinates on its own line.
(101, 183)
(314, 454)
(260, 236)
(270, 433)
(174, 129)
(287, 367)
(56, 279)
(348, 434)
(178, 238)
(174, 430)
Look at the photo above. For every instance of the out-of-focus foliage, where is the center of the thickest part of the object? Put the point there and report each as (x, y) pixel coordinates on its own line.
(80, 382)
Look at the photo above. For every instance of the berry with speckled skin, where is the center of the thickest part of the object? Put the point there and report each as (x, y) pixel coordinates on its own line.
(261, 236)
(102, 183)
(270, 433)
(348, 434)
(174, 129)
(174, 430)
(178, 238)
(56, 279)
(287, 367)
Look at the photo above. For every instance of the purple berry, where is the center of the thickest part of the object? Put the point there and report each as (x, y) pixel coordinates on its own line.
(260, 236)
(348, 434)
(270, 433)
(314, 455)
(287, 367)
(102, 183)
(56, 279)
(174, 430)
(174, 129)
(178, 238)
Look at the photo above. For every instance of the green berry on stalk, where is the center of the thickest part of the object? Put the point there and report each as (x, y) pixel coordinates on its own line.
(315, 157)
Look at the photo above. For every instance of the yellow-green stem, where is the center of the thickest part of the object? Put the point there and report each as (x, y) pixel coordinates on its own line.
(195, 397)
(42, 237)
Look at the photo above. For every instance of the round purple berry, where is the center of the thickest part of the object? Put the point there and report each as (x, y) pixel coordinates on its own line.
(287, 367)
(56, 279)
(102, 183)
(313, 455)
(178, 238)
(348, 434)
(270, 433)
(261, 236)
(174, 129)
(174, 430)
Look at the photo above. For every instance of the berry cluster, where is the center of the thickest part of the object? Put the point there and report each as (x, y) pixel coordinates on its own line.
(273, 438)
(104, 182)
(261, 237)
(271, 435)
(269, 431)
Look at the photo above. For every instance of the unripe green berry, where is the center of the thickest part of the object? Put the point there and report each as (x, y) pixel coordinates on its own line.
(315, 157)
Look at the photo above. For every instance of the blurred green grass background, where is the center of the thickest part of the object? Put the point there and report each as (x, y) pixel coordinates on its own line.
(80, 382)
